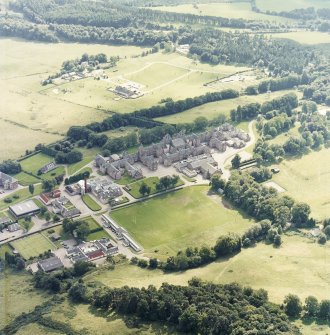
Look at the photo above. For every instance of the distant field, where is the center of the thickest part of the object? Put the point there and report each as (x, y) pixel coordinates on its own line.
(306, 37)
(287, 5)
(163, 76)
(33, 245)
(213, 109)
(308, 180)
(228, 10)
(20, 77)
(179, 219)
(300, 266)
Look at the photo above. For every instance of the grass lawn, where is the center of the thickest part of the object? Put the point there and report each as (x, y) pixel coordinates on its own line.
(188, 217)
(17, 295)
(25, 179)
(91, 203)
(36, 329)
(60, 170)
(151, 182)
(23, 194)
(125, 179)
(92, 224)
(34, 163)
(33, 245)
(307, 179)
(97, 235)
(3, 249)
(300, 266)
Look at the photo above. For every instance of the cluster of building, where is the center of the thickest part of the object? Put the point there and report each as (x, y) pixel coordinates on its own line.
(104, 189)
(8, 182)
(129, 90)
(65, 207)
(92, 251)
(121, 233)
(115, 166)
(192, 150)
(48, 197)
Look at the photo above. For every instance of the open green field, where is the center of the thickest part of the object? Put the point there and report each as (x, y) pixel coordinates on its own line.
(91, 203)
(36, 329)
(17, 295)
(229, 10)
(33, 245)
(305, 37)
(123, 131)
(287, 5)
(300, 266)
(26, 179)
(213, 109)
(188, 217)
(22, 194)
(307, 179)
(35, 162)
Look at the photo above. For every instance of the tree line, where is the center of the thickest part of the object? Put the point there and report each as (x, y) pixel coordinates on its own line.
(199, 308)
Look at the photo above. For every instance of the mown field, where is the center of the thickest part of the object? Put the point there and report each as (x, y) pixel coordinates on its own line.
(33, 245)
(228, 10)
(213, 109)
(307, 179)
(188, 217)
(287, 5)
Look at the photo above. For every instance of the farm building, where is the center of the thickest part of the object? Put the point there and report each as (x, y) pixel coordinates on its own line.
(50, 264)
(8, 182)
(26, 208)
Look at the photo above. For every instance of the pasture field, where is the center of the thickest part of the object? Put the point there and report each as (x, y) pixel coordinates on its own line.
(22, 194)
(16, 145)
(306, 37)
(307, 179)
(173, 221)
(287, 5)
(213, 109)
(33, 245)
(229, 10)
(17, 295)
(123, 131)
(300, 266)
(35, 329)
